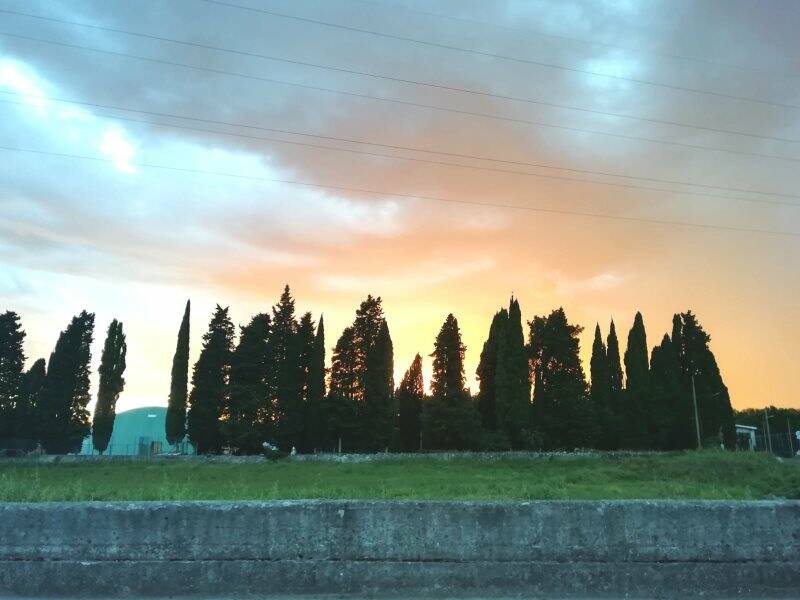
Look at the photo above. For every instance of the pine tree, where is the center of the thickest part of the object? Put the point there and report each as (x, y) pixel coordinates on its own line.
(179, 386)
(316, 388)
(63, 413)
(284, 379)
(615, 429)
(112, 368)
(561, 408)
(487, 372)
(600, 392)
(450, 420)
(697, 362)
(410, 398)
(210, 384)
(247, 417)
(31, 402)
(12, 362)
(638, 429)
(513, 393)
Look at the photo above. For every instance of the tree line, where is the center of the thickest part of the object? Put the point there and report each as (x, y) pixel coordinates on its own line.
(271, 384)
(47, 404)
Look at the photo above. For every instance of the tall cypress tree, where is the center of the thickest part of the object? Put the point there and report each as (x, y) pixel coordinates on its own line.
(316, 388)
(247, 417)
(284, 381)
(377, 418)
(339, 409)
(450, 420)
(175, 424)
(305, 360)
(673, 413)
(209, 393)
(64, 416)
(487, 372)
(561, 408)
(512, 381)
(12, 362)
(691, 344)
(639, 429)
(614, 364)
(112, 368)
(600, 392)
(410, 397)
(31, 402)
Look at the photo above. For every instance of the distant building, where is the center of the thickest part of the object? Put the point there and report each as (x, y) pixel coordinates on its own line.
(137, 432)
(746, 437)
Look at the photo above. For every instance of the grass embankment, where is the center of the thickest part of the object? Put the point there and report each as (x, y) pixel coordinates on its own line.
(705, 475)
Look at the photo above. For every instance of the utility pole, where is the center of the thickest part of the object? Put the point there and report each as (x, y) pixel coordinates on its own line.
(789, 435)
(696, 417)
(766, 423)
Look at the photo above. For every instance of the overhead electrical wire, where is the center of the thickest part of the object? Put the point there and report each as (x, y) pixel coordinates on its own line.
(382, 193)
(421, 150)
(399, 101)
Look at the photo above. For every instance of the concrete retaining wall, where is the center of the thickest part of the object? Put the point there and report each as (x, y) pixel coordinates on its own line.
(644, 548)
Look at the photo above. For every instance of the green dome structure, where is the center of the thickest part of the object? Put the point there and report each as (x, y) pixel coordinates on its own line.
(137, 432)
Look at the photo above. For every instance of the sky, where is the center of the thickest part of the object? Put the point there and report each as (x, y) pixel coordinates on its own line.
(344, 181)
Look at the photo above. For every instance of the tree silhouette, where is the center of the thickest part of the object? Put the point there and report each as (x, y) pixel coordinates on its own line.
(175, 423)
(64, 418)
(284, 378)
(487, 372)
(112, 368)
(513, 382)
(31, 391)
(316, 389)
(600, 392)
(638, 428)
(210, 384)
(247, 416)
(410, 397)
(450, 420)
(561, 409)
(12, 362)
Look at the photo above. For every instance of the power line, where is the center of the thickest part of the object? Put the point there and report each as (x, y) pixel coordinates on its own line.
(544, 34)
(500, 56)
(400, 102)
(422, 160)
(381, 193)
(440, 86)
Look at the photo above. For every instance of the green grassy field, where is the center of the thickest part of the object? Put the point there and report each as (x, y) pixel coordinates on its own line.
(706, 475)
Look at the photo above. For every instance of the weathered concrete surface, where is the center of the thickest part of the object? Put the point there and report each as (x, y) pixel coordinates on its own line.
(638, 548)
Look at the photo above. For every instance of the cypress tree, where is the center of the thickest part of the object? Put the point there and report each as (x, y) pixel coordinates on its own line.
(316, 388)
(305, 346)
(175, 424)
(209, 393)
(600, 392)
(638, 428)
(12, 362)
(410, 397)
(284, 381)
(691, 344)
(672, 412)
(450, 420)
(614, 364)
(31, 402)
(562, 411)
(64, 416)
(112, 367)
(379, 390)
(513, 382)
(247, 421)
(487, 372)
(339, 410)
